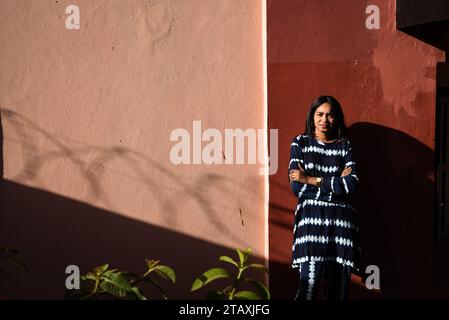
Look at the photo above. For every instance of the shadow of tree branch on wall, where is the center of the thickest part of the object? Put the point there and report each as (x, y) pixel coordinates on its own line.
(94, 164)
(53, 231)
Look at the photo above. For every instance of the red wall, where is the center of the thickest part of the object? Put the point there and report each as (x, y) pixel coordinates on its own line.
(385, 81)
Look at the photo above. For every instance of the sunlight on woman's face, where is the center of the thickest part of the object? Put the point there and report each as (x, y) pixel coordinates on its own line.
(324, 119)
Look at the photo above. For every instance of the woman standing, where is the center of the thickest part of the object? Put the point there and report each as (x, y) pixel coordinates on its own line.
(323, 175)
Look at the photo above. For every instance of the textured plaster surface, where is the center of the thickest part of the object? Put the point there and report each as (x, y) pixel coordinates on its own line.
(87, 114)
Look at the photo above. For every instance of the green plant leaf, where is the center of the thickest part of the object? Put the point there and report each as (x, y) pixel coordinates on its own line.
(138, 294)
(111, 273)
(165, 272)
(255, 266)
(228, 288)
(262, 291)
(243, 255)
(115, 284)
(89, 276)
(258, 265)
(246, 295)
(229, 260)
(209, 276)
(151, 263)
(101, 269)
(112, 289)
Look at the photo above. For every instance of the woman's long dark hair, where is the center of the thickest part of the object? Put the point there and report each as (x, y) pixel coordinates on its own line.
(339, 131)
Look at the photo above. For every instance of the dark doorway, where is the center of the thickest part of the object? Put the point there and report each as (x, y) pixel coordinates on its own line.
(441, 151)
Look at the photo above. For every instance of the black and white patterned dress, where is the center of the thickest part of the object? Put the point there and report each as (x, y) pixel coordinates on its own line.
(325, 219)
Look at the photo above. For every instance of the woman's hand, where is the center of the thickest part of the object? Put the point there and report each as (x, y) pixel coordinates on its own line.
(346, 171)
(298, 175)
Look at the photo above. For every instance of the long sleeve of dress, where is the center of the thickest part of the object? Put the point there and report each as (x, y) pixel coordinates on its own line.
(303, 190)
(343, 185)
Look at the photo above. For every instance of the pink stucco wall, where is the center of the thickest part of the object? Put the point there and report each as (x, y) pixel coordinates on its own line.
(87, 116)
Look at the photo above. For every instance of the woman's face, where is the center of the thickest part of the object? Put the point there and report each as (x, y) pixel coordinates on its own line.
(324, 119)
